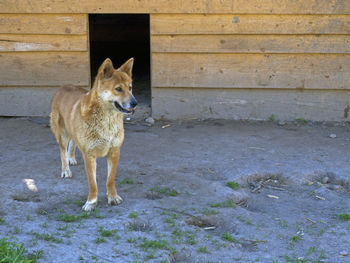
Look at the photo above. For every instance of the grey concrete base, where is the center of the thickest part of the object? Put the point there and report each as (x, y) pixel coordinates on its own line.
(176, 103)
(25, 101)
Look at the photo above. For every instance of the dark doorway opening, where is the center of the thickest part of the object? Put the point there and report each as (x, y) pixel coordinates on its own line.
(120, 37)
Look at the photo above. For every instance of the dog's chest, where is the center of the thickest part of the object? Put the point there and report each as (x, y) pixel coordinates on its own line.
(106, 135)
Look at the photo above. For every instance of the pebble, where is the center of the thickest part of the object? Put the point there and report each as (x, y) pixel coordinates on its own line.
(332, 136)
(281, 123)
(128, 118)
(150, 120)
(325, 180)
(343, 254)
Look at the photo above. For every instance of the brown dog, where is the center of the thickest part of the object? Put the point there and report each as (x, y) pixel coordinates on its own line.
(93, 121)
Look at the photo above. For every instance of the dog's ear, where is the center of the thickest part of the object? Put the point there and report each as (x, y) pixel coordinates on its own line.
(127, 67)
(106, 69)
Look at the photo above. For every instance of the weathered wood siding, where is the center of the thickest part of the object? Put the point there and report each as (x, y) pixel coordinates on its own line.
(209, 58)
(249, 66)
(38, 53)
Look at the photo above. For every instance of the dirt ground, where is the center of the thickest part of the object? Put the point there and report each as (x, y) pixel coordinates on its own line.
(195, 191)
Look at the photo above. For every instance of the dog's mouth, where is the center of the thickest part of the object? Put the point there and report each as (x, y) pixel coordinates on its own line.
(121, 109)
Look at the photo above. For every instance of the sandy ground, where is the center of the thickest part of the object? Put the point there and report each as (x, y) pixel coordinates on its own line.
(291, 183)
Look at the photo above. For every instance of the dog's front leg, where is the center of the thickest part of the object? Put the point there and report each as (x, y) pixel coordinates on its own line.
(112, 160)
(90, 167)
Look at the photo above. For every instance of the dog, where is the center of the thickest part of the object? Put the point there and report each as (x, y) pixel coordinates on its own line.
(93, 121)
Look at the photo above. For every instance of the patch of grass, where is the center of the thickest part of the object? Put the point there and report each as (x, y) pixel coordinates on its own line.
(190, 239)
(310, 250)
(295, 238)
(78, 202)
(131, 240)
(344, 217)
(133, 215)
(154, 244)
(12, 252)
(247, 221)
(47, 237)
(106, 233)
(100, 240)
(282, 223)
(301, 120)
(227, 204)
(272, 117)
(233, 185)
(202, 249)
(207, 211)
(227, 237)
(72, 218)
(165, 191)
(126, 181)
(150, 255)
(2, 220)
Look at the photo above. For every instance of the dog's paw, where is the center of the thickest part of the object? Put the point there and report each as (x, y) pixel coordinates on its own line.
(115, 200)
(72, 161)
(66, 173)
(89, 205)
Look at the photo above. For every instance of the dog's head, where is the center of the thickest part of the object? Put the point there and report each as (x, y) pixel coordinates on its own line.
(114, 86)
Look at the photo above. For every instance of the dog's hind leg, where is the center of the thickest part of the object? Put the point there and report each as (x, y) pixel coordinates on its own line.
(63, 142)
(71, 152)
(112, 161)
(57, 127)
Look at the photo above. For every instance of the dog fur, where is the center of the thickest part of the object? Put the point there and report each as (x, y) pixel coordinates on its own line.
(93, 121)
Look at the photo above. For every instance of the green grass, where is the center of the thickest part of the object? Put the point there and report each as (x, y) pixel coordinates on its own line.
(126, 181)
(233, 185)
(295, 238)
(47, 237)
(106, 233)
(11, 252)
(68, 218)
(301, 120)
(165, 191)
(133, 215)
(228, 203)
(272, 117)
(154, 244)
(2, 220)
(228, 237)
(344, 217)
(202, 249)
(100, 240)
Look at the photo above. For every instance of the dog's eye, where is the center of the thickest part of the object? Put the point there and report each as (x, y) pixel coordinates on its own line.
(119, 89)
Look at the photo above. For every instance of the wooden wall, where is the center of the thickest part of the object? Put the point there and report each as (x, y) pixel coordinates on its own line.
(209, 58)
(38, 53)
(251, 66)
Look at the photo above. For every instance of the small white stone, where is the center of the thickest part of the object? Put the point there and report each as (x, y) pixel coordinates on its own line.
(128, 118)
(325, 180)
(343, 254)
(332, 136)
(150, 120)
(281, 123)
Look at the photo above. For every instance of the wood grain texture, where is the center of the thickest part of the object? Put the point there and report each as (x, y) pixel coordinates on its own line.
(44, 68)
(251, 43)
(249, 24)
(14, 42)
(277, 71)
(43, 24)
(234, 104)
(178, 6)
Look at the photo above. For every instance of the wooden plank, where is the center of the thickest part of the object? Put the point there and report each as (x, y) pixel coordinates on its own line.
(179, 6)
(249, 24)
(176, 103)
(14, 42)
(278, 71)
(44, 68)
(43, 24)
(251, 43)
(26, 101)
